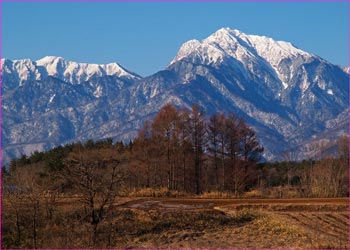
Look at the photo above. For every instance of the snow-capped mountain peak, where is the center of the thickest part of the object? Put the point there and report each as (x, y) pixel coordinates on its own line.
(186, 49)
(228, 42)
(48, 60)
(249, 54)
(77, 72)
(290, 97)
(58, 67)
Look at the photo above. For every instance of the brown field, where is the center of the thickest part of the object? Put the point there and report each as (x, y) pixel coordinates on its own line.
(217, 223)
(284, 223)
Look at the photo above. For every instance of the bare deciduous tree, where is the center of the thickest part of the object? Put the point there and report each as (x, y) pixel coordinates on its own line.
(95, 177)
(197, 131)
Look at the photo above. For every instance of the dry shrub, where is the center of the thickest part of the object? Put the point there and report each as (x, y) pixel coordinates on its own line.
(282, 192)
(156, 192)
(245, 215)
(253, 194)
(276, 226)
(215, 194)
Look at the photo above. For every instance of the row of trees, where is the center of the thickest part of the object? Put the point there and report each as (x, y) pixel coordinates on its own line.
(182, 150)
(185, 151)
(66, 197)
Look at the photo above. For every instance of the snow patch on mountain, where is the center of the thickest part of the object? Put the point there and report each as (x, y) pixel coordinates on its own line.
(347, 69)
(72, 72)
(249, 50)
(287, 95)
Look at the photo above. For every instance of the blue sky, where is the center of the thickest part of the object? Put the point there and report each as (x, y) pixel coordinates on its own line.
(144, 37)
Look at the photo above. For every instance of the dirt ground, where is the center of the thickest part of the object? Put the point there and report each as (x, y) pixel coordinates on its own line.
(276, 223)
(218, 223)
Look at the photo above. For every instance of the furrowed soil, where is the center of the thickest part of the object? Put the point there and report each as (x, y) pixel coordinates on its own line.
(207, 223)
(234, 223)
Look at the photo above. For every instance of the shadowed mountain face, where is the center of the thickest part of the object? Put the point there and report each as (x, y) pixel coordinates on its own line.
(290, 97)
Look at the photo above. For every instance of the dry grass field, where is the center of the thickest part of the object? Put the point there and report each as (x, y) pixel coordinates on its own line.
(253, 223)
(204, 223)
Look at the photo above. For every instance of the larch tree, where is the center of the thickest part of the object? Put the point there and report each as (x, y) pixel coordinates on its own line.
(231, 131)
(165, 133)
(144, 152)
(214, 145)
(250, 149)
(222, 147)
(197, 132)
(185, 146)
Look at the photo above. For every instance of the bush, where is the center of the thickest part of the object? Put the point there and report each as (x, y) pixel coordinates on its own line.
(245, 215)
(156, 192)
(253, 194)
(215, 194)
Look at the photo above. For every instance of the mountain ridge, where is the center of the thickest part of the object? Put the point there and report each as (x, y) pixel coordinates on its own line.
(63, 69)
(287, 95)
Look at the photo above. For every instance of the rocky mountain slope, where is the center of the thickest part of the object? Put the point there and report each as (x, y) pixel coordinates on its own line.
(290, 97)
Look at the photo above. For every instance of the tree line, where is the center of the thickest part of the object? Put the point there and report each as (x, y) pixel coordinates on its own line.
(65, 197)
(180, 150)
(183, 150)
(186, 151)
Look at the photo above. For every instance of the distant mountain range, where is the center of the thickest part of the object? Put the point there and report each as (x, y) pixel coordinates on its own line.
(293, 99)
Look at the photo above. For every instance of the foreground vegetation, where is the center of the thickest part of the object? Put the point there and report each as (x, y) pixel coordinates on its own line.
(68, 196)
(177, 222)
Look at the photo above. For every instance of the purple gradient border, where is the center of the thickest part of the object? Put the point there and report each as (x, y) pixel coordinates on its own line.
(348, 118)
(1, 124)
(163, 1)
(183, 1)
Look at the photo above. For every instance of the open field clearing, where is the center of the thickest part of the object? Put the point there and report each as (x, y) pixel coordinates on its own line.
(206, 223)
(333, 203)
(260, 223)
